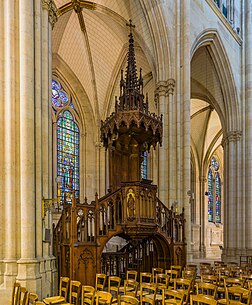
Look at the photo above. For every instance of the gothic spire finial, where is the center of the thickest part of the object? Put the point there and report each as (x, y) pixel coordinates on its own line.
(130, 25)
(131, 72)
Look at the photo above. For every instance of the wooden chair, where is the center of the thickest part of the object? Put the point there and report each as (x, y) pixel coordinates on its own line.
(178, 268)
(100, 280)
(206, 289)
(74, 294)
(201, 299)
(236, 295)
(113, 287)
(63, 292)
(156, 271)
(103, 297)
(162, 281)
(23, 296)
(173, 274)
(172, 297)
(32, 298)
(146, 277)
(130, 287)
(15, 294)
(226, 283)
(212, 279)
(148, 293)
(130, 275)
(184, 286)
(39, 303)
(87, 295)
(128, 300)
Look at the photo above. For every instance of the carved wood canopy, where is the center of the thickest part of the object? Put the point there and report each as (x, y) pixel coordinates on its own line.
(132, 117)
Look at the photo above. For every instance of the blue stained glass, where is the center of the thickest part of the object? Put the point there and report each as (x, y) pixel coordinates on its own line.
(210, 195)
(218, 198)
(144, 165)
(214, 192)
(67, 159)
(59, 96)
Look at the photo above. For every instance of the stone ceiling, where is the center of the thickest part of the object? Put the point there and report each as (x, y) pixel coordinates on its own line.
(97, 51)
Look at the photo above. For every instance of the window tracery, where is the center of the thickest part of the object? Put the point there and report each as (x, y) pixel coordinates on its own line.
(68, 144)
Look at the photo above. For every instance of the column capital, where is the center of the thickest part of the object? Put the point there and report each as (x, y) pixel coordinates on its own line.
(203, 179)
(51, 7)
(165, 87)
(231, 136)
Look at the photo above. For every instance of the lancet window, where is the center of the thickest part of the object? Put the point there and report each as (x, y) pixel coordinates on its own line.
(214, 192)
(68, 144)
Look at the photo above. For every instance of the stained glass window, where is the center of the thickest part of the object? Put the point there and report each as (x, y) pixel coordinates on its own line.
(214, 192)
(68, 144)
(144, 166)
(210, 196)
(218, 197)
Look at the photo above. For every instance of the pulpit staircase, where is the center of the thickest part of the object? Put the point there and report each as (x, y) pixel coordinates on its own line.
(154, 233)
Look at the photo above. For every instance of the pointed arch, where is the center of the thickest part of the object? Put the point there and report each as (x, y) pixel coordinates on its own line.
(212, 41)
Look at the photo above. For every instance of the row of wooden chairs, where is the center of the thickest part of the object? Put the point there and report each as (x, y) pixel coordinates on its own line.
(21, 296)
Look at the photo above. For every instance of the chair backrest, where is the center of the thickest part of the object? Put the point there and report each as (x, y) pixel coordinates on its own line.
(148, 293)
(201, 299)
(156, 271)
(114, 285)
(75, 291)
(173, 274)
(87, 295)
(64, 287)
(178, 268)
(130, 287)
(15, 294)
(238, 293)
(104, 297)
(172, 294)
(100, 280)
(131, 275)
(23, 296)
(206, 289)
(189, 274)
(32, 298)
(184, 285)
(145, 277)
(209, 278)
(128, 300)
(162, 280)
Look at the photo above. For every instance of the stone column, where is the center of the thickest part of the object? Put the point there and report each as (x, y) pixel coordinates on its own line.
(2, 175)
(27, 264)
(10, 139)
(231, 174)
(163, 151)
(248, 106)
(171, 143)
(202, 249)
(49, 17)
(186, 119)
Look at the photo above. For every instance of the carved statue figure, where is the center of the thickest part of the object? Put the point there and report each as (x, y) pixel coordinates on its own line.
(131, 206)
